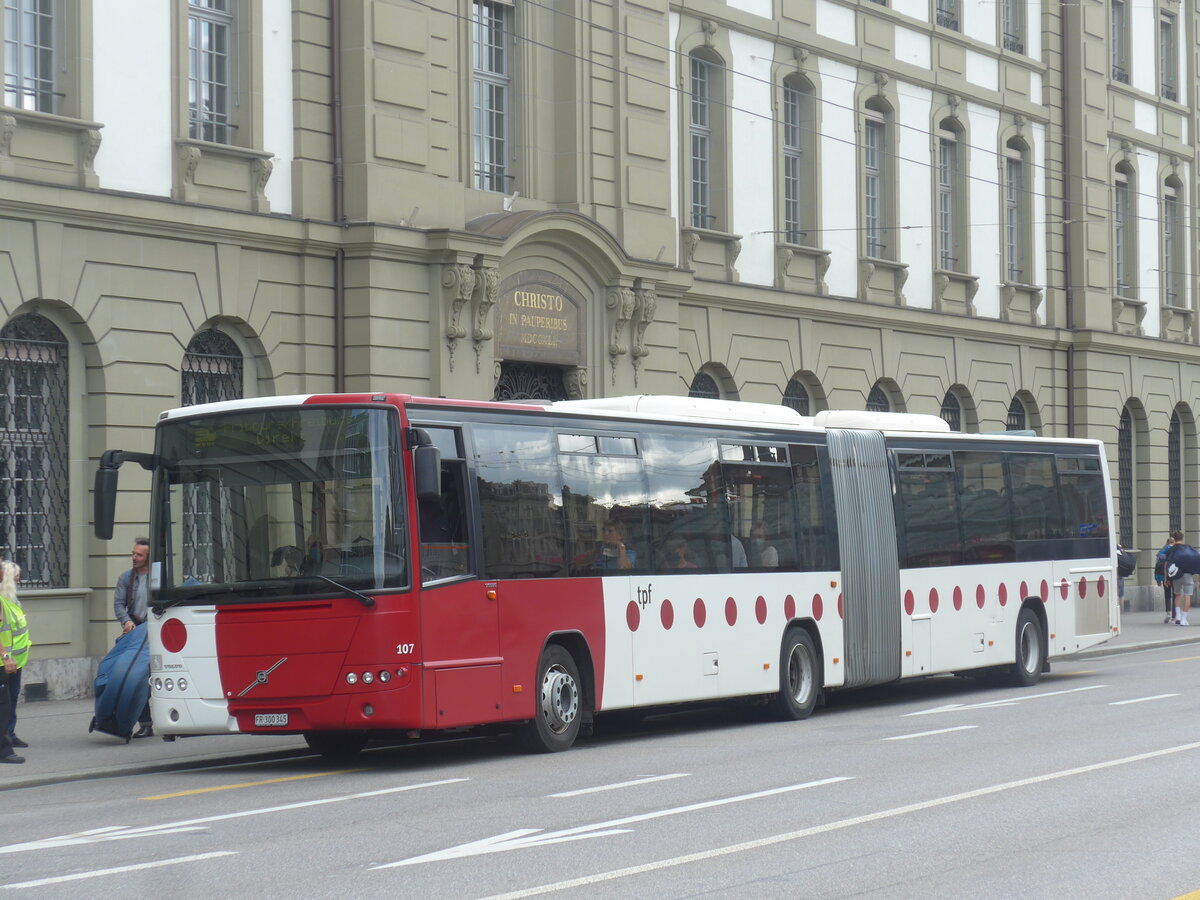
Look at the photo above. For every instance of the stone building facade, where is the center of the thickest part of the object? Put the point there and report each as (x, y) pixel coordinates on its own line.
(978, 209)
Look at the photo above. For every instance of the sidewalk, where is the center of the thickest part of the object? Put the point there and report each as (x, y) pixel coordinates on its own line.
(61, 749)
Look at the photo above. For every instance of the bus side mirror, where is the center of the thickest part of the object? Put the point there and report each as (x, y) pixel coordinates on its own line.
(104, 501)
(427, 465)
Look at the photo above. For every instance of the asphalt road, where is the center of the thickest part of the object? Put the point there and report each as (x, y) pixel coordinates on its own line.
(1079, 787)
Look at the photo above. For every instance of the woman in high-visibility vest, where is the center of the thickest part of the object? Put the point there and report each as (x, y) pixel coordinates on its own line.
(14, 642)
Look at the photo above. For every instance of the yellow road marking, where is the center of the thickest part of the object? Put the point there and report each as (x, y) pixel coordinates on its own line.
(246, 784)
(1184, 659)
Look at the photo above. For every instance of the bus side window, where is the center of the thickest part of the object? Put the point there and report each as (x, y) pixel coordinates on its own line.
(442, 521)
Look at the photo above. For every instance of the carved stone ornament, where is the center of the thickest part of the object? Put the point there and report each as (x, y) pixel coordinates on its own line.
(8, 127)
(621, 300)
(458, 281)
(89, 146)
(647, 306)
(709, 27)
(866, 270)
(260, 174)
(733, 249)
(881, 82)
(783, 261)
(800, 54)
(485, 300)
(575, 383)
(189, 159)
(690, 241)
(823, 262)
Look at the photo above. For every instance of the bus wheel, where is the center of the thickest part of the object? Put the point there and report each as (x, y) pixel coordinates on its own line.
(335, 743)
(1031, 650)
(556, 724)
(799, 676)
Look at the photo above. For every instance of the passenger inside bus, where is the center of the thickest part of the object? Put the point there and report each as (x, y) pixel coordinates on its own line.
(675, 554)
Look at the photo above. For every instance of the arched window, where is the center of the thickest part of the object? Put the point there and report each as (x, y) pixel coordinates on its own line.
(952, 194)
(877, 400)
(212, 369)
(704, 385)
(1175, 474)
(1017, 417)
(796, 397)
(1125, 475)
(952, 411)
(34, 474)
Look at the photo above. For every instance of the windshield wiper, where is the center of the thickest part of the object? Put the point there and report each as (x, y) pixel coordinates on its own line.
(362, 598)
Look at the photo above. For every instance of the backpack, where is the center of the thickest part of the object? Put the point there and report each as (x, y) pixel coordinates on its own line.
(1126, 563)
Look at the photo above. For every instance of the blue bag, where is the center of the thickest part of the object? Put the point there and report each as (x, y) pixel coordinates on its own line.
(1184, 558)
(122, 684)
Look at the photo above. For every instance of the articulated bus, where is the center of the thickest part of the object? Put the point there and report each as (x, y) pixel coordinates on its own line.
(379, 565)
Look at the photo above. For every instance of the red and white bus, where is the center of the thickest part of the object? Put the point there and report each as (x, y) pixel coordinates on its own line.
(349, 566)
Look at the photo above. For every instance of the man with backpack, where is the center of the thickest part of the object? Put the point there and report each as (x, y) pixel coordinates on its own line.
(130, 600)
(1160, 578)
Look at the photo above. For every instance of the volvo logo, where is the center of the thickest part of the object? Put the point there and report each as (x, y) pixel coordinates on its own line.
(262, 677)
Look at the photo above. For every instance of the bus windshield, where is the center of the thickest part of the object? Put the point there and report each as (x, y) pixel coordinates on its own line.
(268, 503)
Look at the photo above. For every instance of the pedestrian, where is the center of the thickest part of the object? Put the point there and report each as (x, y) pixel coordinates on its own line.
(1183, 584)
(14, 644)
(130, 600)
(1160, 578)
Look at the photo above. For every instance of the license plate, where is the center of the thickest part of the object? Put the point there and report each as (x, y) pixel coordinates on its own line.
(270, 720)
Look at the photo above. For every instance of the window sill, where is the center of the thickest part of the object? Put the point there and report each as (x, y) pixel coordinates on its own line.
(710, 254)
(1127, 316)
(1176, 323)
(221, 175)
(45, 147)
(802, 268)
(1021, 303)
(954, 292)
(882, 280)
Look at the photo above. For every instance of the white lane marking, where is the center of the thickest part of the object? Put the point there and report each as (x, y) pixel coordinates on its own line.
(1142, 699)
(620, 784)
(832, 826)
(1008, 701)
(535, 837)
(122, 832)
(81, 876)
(919, 734)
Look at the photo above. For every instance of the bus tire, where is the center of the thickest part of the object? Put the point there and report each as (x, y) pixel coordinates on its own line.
(1031, 650)
(799, 677)
(335, 743)
(559, 713)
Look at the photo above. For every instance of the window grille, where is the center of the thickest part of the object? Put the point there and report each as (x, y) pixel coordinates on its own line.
(1175, 474)
(29, 55)
(1125, 475)
(212, 371)
(210, 33)
(527, 381)
(877, 400)
(947, 176)
(872, 186)
(795, 396)
(795, 107)
(492, 91)
(34, 473)
(704, 385)
(1016, 415)
(700, 134)
(952, 411)
(947, 14)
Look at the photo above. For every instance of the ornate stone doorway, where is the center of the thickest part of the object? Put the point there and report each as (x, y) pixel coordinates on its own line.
(529, 381)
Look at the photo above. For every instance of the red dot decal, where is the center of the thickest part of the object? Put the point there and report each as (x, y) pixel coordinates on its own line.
(909, 603)
(1003, 592)
(1082, 588)
(1024, 590)
(958, 598)
(667, 614)
(933, 600)
(980, 596)
(1045, 590)
(789, 607)
(730, 610)
(173, 635)
(818, 607)
(633, 616)
(841, 613)
(1063, 588)
(760, 610)
(698, 612)
(1100, 584)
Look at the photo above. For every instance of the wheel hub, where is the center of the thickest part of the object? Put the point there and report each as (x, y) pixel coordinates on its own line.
(560, 699)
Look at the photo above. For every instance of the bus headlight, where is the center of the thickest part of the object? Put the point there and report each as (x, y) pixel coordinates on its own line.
(351, 678)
